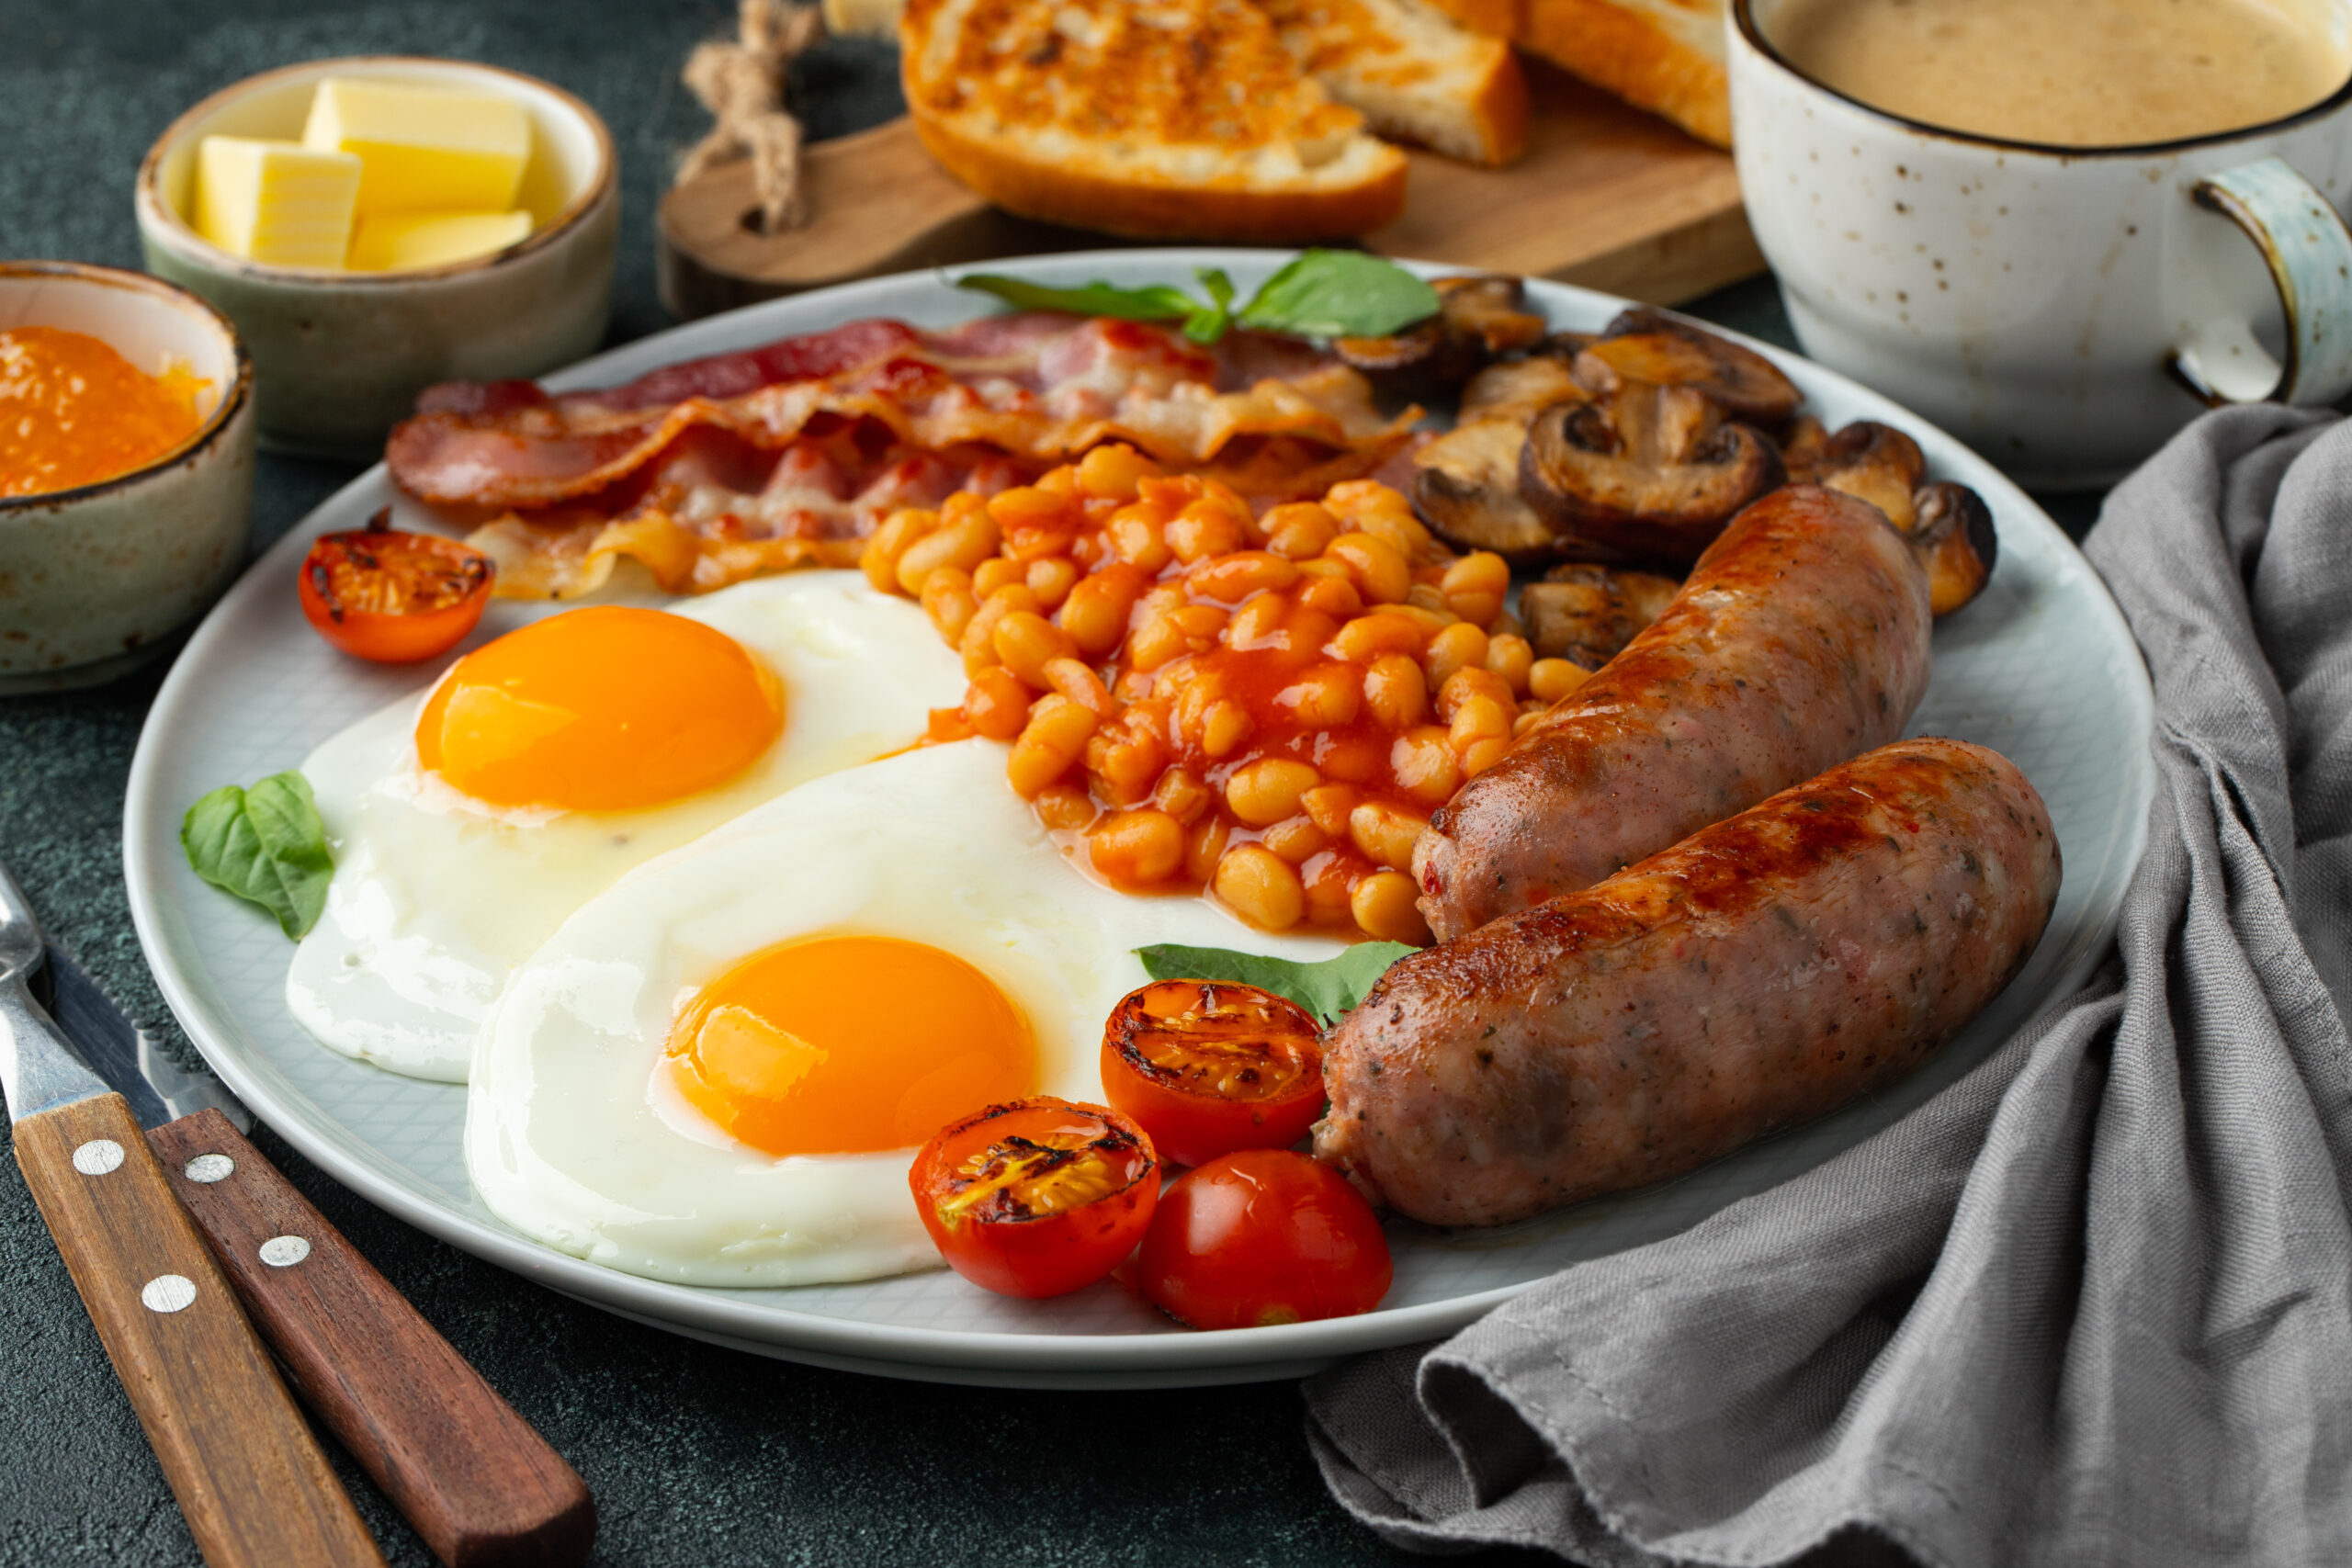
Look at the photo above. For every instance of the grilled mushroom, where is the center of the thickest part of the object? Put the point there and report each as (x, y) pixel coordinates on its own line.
(1585, 613)
(1953, 528)
(1465, 482)
(1875, 463)
(1652, 472)
(1649, 346)
(1479, 319)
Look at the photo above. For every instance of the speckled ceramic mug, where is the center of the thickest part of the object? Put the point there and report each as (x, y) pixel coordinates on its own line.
(2063, 310)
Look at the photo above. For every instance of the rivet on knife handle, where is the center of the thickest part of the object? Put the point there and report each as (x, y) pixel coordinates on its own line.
(250, 1479)
(478, 1482)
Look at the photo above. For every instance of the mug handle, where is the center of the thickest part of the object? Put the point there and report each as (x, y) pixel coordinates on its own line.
(2304, 239)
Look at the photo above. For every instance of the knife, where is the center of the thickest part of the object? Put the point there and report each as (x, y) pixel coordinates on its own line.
(478, 1482)
(250, 1478)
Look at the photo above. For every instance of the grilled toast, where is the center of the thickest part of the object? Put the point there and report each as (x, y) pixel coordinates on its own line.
(1157, 118)
(1665, 56)
(1412, 71)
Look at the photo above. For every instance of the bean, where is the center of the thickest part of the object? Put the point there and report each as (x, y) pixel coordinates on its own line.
(1395, 690)
(1156, 642)
(1136, 848)
(1325, 698)
(1111, 473)
(1476, 681)
(1204, 529)
(1256, 622)
(880, 558)
(1385, 906)
(1054, 737)
(1204, 846)
(1139, 537)
(1549, 680)
(1424, 765)
(1376, 566)
(1233, 577)
(1480, 755)
(1331, 593)
(1383, 834)
(1474, 586)
(1260, 887)
(1130, 764)
(991, 575)
(1095, 613)
(965, 543)
(997, 705)
(1027, 509)
(1380, 510)
(1366, 638)
(1296, 839)
(1079, 683)
(948, 599)
(1182, 794)
(1327, 877)
(1268, 789)
(1458, 646)
(1327, 806)
(1026, 642)
(1065, 806)
(1299, 530)
(1479, 717)
(1228, 725)
(1051, 578)
(1510, 658)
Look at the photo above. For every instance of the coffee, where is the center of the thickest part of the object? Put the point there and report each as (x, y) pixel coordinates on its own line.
(2068, 73)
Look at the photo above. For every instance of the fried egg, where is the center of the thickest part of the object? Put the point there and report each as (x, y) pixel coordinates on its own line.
(468, 821)
(717, 1072)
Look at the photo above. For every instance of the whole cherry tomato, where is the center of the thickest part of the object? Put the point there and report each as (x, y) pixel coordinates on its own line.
(1209, 1066)
(1036, 1198)
(393, 597)
(1264, 1236)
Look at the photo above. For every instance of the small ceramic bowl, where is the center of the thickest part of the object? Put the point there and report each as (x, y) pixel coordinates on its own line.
(94, 579)
(340, 356)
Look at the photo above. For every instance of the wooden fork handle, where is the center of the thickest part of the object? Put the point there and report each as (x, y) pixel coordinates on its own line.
(250, 1477)
(478, 1483)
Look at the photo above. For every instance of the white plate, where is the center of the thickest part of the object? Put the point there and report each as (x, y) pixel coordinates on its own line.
(2041, 667)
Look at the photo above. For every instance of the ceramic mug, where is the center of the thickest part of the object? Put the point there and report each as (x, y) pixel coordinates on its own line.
(2063, 310)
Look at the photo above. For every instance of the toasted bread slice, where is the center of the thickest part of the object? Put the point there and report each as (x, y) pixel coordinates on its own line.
(1413, 72)
(1158, 118)
(1665, 56)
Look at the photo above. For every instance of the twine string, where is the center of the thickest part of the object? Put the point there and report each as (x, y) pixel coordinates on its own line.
(741, 83)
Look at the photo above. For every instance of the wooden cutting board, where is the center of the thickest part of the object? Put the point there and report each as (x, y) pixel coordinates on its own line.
(1607, 196)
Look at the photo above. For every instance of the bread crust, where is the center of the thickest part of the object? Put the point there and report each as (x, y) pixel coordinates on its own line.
(1057, 193)
(1616, 48)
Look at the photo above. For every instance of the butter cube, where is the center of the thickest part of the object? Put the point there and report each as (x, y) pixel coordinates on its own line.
(389, 242)
(275, 202)
(423, 149)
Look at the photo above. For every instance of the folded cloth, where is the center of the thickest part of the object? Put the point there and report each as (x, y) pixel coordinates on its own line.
(2093, 1303)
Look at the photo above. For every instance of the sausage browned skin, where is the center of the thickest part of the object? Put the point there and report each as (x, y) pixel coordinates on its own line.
(1757, 975)
(1800, 640)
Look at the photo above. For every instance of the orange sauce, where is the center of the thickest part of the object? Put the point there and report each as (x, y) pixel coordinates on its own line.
(73, 412)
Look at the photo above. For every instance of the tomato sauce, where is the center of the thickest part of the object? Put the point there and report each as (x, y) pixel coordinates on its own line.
(73, 412)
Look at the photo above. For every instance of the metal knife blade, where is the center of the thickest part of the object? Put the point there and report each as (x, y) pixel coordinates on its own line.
(126, 1055)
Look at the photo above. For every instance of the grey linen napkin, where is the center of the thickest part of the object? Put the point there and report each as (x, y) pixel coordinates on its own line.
(2093, 1303)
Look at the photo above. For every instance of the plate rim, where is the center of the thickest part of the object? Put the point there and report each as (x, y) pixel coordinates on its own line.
(1125, 1360)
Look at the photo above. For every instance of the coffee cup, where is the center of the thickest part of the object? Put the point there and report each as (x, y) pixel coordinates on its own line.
(2063, 309)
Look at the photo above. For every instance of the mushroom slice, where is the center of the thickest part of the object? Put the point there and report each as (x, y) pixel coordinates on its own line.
(1652, 473)
(1517, 388)
(1466, 486)
(1875, 463)
(1585, 612)
(1478, 319)
(1953, 532)
(1801, 448)
(1649, 346)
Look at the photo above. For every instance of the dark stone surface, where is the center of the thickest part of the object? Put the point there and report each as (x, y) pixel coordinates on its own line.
(698, 1455)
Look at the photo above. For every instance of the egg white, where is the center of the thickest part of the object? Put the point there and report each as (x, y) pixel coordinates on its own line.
(436, 897)
(573, 1137)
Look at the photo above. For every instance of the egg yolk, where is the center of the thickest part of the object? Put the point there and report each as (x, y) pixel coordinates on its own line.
(604, 709)
(846, 1045)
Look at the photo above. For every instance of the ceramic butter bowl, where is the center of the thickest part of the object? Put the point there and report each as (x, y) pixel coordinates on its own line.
(339, 357)
(94, 579)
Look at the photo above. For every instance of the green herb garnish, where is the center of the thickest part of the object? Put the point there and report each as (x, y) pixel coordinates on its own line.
(1326, 989)
(1319, 294)
(266, 845)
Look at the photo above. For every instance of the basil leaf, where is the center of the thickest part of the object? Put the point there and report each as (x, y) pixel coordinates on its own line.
(265, 844)
(1326, 989)
(1207, 326)
(1154, 302)
(1340, 294)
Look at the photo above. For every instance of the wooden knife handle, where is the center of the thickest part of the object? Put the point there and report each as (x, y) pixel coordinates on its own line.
(478, 1482)
(249, 1475)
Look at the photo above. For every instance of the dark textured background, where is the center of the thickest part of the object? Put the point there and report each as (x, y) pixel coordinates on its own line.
(698, 1456)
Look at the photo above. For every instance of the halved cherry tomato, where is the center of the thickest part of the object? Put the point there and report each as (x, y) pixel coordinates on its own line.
(1036, 1198)
(1262, 1237)
(393, 597)
(1209, 1066)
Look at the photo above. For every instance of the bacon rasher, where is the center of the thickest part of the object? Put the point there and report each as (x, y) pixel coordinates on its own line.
(718, 469)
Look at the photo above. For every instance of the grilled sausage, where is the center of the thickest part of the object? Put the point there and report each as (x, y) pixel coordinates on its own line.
(1758, 974)
(1800, 640)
